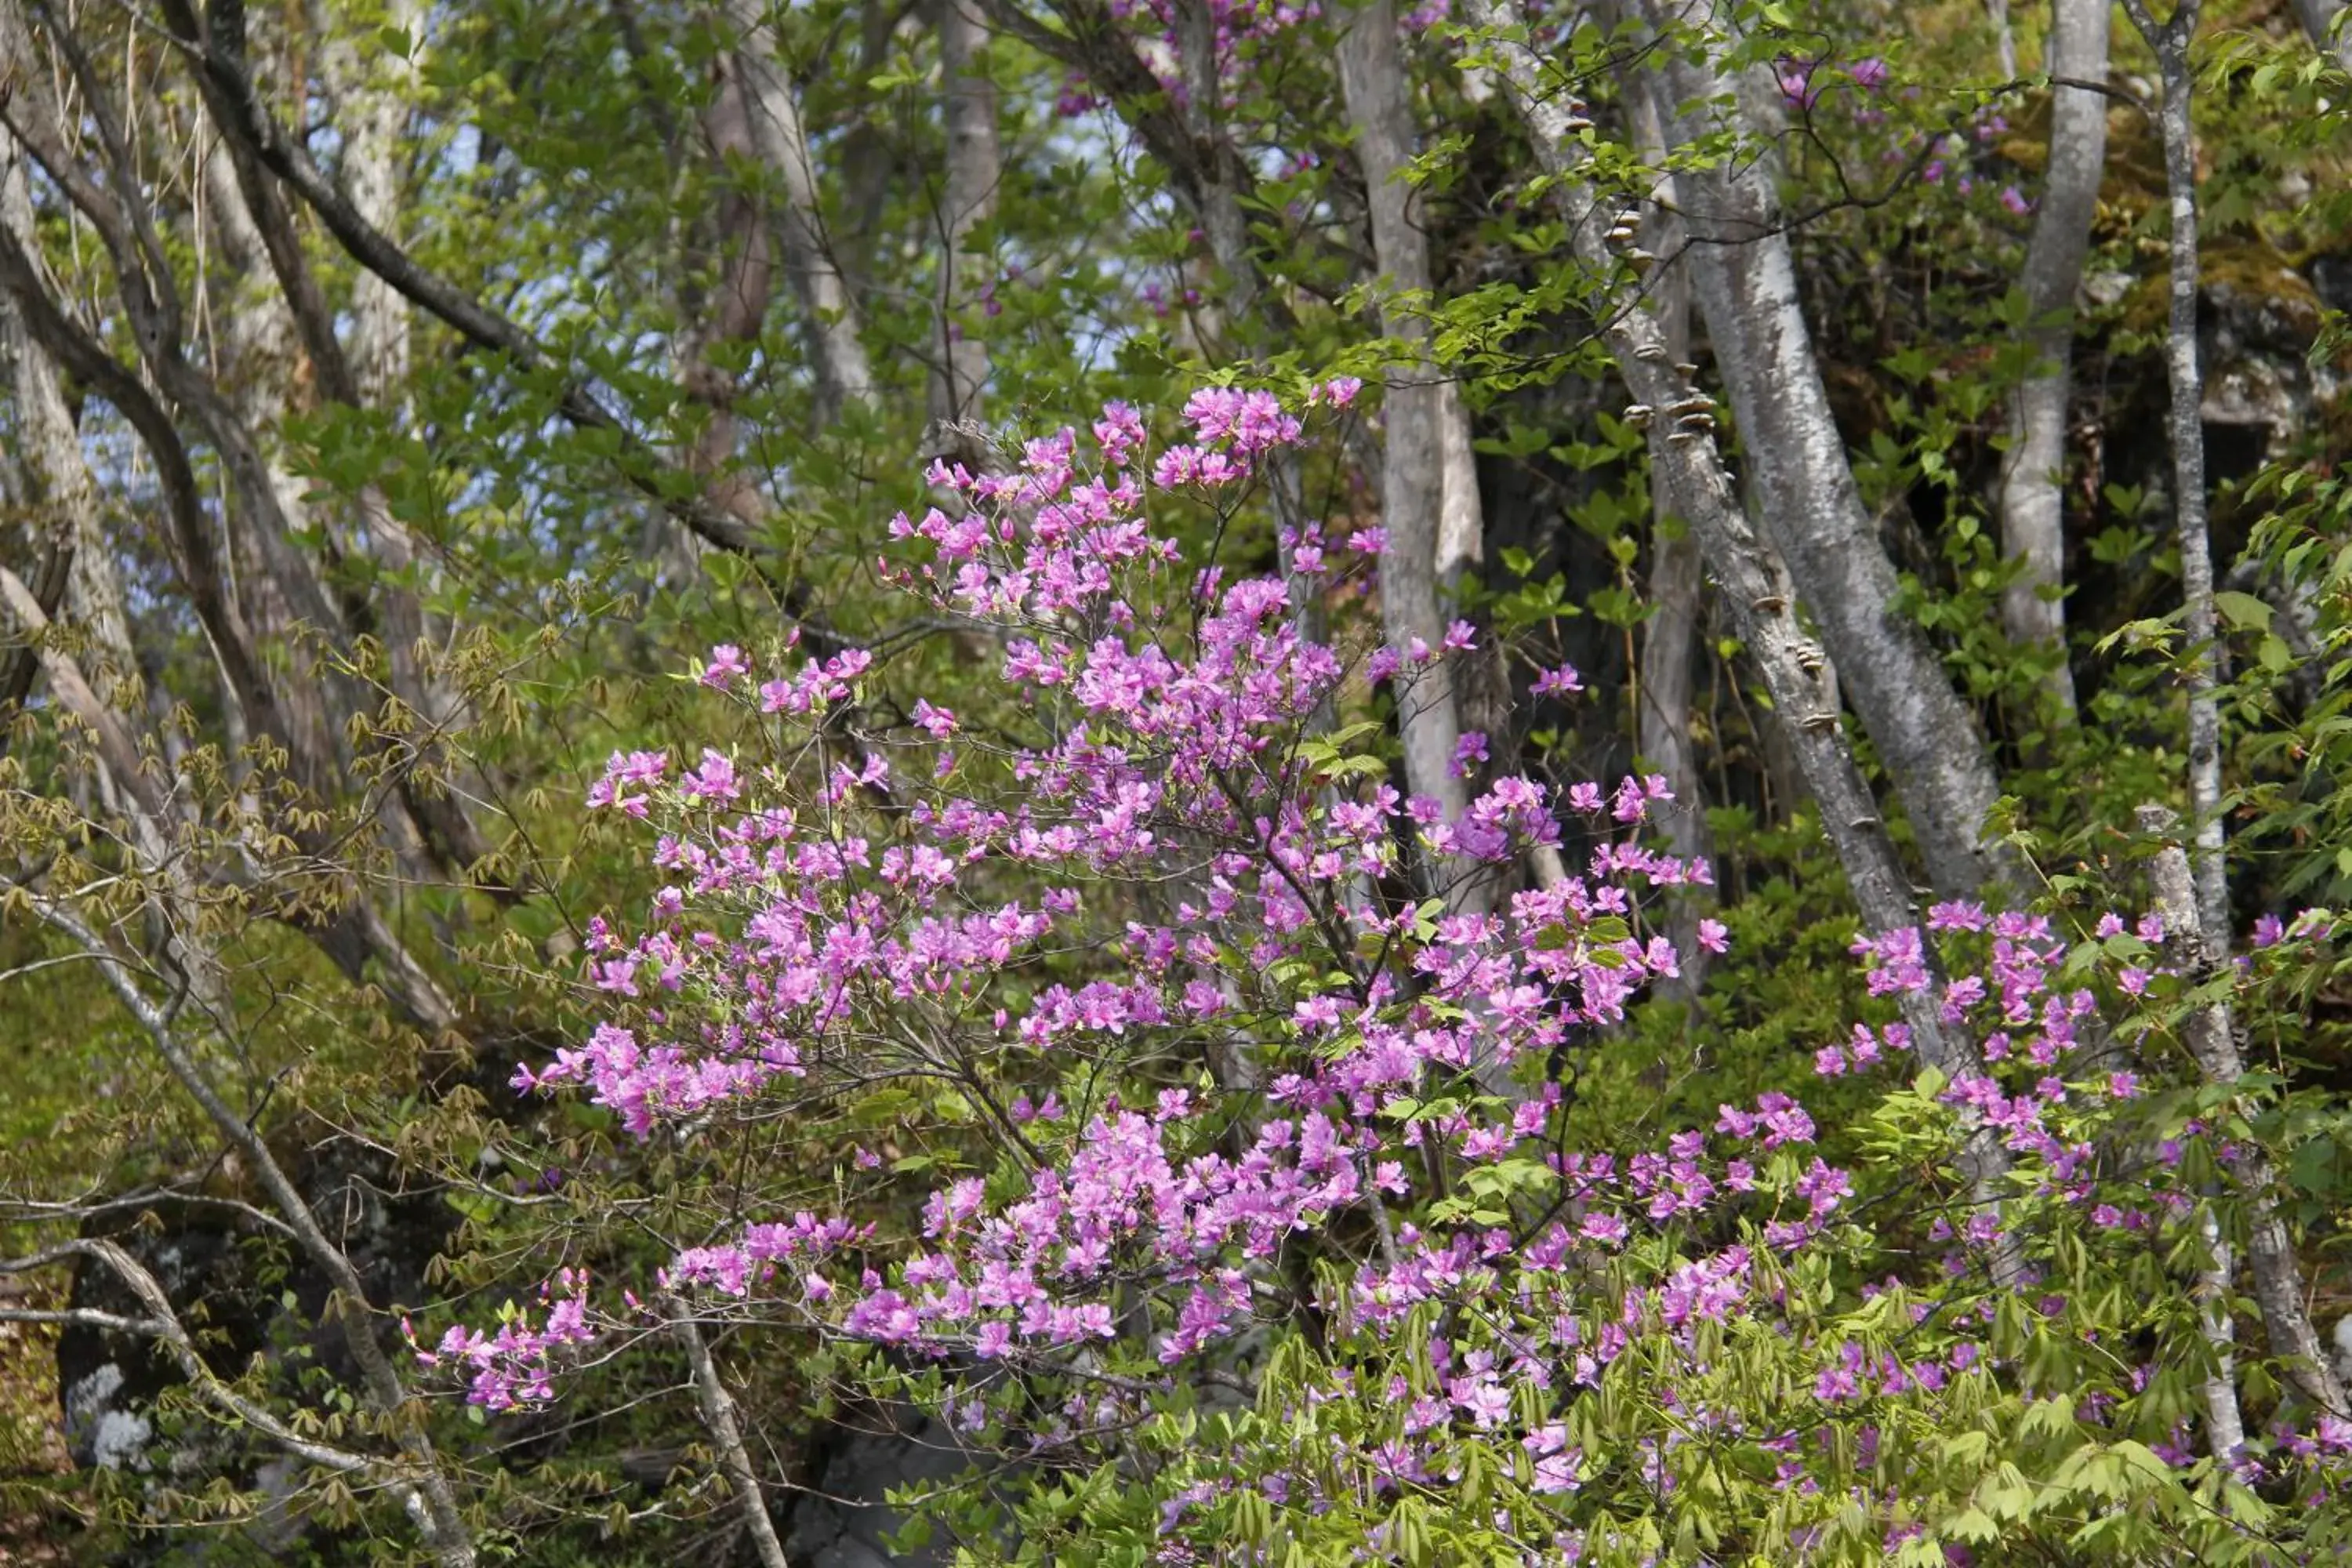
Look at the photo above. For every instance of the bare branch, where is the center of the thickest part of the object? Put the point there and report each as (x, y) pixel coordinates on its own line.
(165, 1326)
(717, 1407)
(445, 1529)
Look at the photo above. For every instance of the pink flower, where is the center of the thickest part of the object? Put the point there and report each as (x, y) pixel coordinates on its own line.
(725, 664)
(1796, 78)
(1561, 681)
(1338, 391)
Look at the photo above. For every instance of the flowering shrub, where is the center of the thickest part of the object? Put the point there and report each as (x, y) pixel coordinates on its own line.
(1266, 1239)
(1856, 119)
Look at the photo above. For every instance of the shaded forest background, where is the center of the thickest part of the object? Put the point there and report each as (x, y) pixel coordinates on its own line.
(401, 399)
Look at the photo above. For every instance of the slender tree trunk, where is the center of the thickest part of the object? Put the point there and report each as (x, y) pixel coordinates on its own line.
(261, 341)
(2225, 1423)
(2211, 1036)
(2323, 19)
(1462, 514)
(868, 163)
(1413, 468)
(257, 343)
(717, 1408)
(968, 200)
(1754, 583)
(1217, 194)
(2171, 41)
(58, 476)
(375, 115)
(732, 314)
(2004, 39)
(61, 484)
(2033, 479)
(378, 115)
(1216, 178)
(843, 377)
(1746, 281)
(1662, 728)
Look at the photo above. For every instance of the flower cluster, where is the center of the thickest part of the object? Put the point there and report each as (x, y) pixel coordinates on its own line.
(1946, 164)
(516, 1365)
(1289, 1077)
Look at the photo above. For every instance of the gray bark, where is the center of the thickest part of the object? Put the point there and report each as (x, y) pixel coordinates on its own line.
(1754, 583)
(1461, 517)
(2225, 1423)
(169, 387)
(259, 346)
(2004, 37)
(2187, 382)
(1413, 469)
(733, 314)
(1208, 175)
(2210, 1035)
(843, 377)
(138, 793)
(63, 485)
(1747, 285)
(868, 160)
(2033, 511)
(1662, 731)
(262, 345)
(377, 115)
(1213, 178)
(374, 115)
(1217, 192)
(717, 1408)
(968, 200)
(58, 476)
(2323, 19)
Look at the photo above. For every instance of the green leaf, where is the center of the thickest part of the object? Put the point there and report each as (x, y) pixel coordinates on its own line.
(2243, 611)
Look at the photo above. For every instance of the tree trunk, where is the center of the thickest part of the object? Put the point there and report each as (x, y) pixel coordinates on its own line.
(378, 116)
(1413, 467)
(842, 375)
(374, 376)
(2187, 380)
(1661, 727)
(968, 200)
(58, 477)
(2004, 39)
(2210, 1035)
(717, 1408)
(1754, 582)
(2323, 19)
(1747, 285)
(1462, 515)
(2033, 479)
(732, 315)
